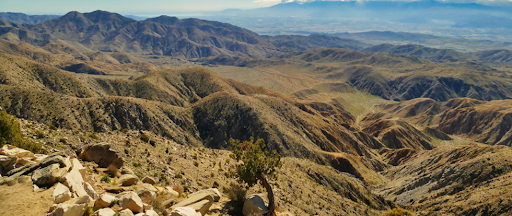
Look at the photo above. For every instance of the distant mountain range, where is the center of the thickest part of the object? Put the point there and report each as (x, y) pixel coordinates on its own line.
(461, 14)
(163, 35)
(21, 18)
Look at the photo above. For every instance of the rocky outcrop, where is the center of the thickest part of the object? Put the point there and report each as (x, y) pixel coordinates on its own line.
(102, 155)
(149, 180)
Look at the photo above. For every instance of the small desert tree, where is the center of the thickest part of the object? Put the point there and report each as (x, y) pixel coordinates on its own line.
(254, 164)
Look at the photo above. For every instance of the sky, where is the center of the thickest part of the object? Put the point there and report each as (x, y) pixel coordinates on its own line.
(127, 6)
(147, 7)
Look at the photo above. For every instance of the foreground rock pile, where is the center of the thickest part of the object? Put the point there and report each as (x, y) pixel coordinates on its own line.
(77, 191)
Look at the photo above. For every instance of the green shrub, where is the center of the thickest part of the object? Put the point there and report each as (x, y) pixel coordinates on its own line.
(236, 194)
(10, 133)
(63, 140)
(94, 136)
(106, 179)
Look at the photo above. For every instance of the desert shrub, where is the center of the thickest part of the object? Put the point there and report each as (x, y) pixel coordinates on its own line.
(178, 188)
(63, 140)
(40, 134)
(144, 137)
(124, 130)
(52, 127)
(112, 170)
(215, 184)
(106, 179)
(157, 205)
(196, 163)
(94, 136)
(10, 133)
(236, 194)
(399, 212)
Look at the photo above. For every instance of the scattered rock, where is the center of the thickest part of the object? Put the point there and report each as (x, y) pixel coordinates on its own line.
(146, 195)
(7, 163)
(126, 212)
(61, 194)
(104, 212)
(102, 155)
(65, 209)
(105, 200)
(49, 175)
(149, 180)
(150, 187)
(151, 213)
(201, 202)
(172, 192)
(130, 200)
(90, 190)
(115, 189)
(255, 205)
(75, 181)
(128, 180)
(13, 151)
(214, 192)
(127, 170)
(183, 211)
(202, 206)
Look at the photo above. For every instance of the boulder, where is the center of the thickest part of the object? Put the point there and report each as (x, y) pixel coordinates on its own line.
(49, 175)
(61, 194)
(73, 207)
(151, 213)
(202, 206)
(104, 212)
(65, 209)
(150, 187)
(102, 155)
(128, 180)
(255, 205)
(172, 192)
(13, 151)
(183, 211)
(130, 200)
(75, 181)
(146, 195)
(57, 159)
(193, 199)
(105, 200)
(148, 180)
(8, 163)
(75, 164)
(214, 192)
(90, 190)
(126, 212)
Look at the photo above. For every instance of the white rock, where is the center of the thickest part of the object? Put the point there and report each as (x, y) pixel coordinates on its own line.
(255, 205)
(151, 213)
(9, 150)
(172, 192)
(39, 157)
(150, 187)
(75, 164)
(75, 182)
(105, 200)
(130, 200)
(61, 194)
(184, 211)
(126, 212)
(90, 190)
(128, 180)
(140, 214)
(214, 192)
(104, 212)
(65, 209)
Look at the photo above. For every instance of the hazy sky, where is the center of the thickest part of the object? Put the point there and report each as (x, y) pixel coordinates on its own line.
(126, 6)
(149, 7)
